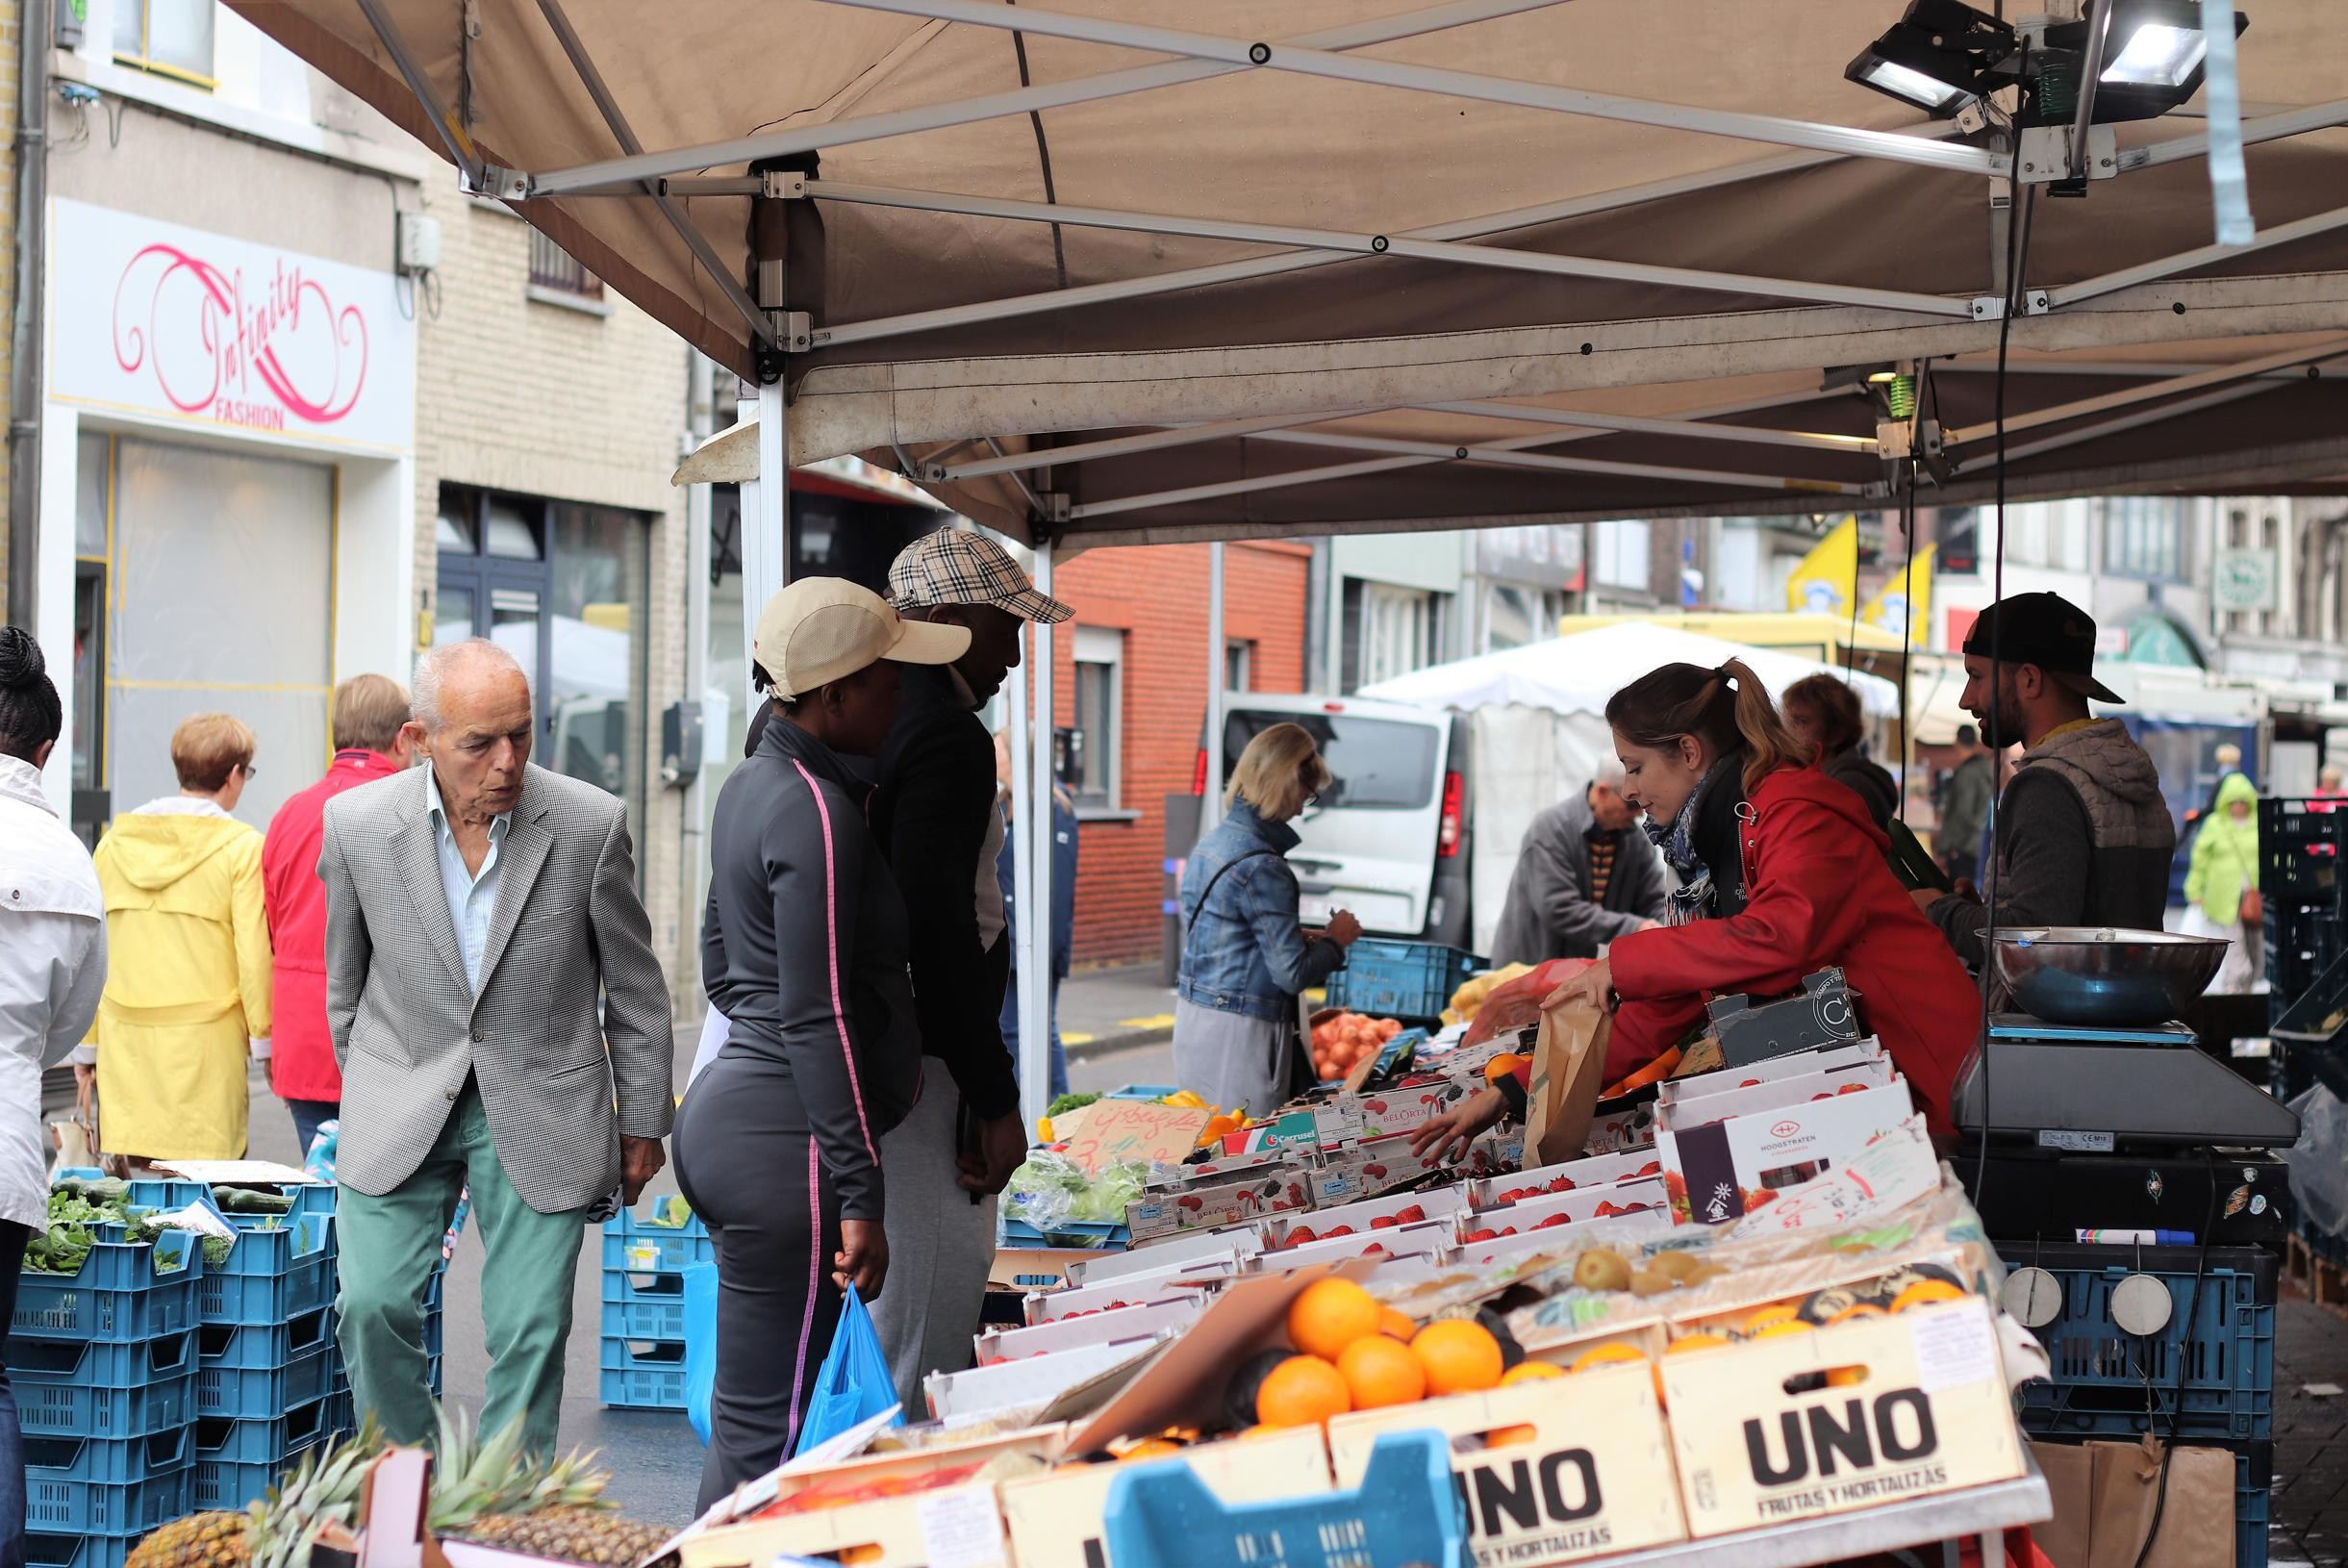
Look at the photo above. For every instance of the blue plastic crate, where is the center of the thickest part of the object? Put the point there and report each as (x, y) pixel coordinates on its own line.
(1407, 1510)
(2254, 1485)
(1143, 1091)
(223, 1485)
(1406, 980)
(110, 1461)
(101, 1364)
(262, 1347)
(248, 1393)
(254, 1441)
(1099, 1234)
(308, 1198)
(653, 1319)
(2107, 1382)
(652, 1388)
(273, 1248)
(122, 1293)
(77, 1551)
(66, 1410)
(633, 1245)
(87, 1507)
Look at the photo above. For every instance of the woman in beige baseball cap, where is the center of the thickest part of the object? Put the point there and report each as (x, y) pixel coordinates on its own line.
(803, 949)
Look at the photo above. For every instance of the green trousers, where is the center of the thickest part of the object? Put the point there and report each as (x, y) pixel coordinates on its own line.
(389, 1247)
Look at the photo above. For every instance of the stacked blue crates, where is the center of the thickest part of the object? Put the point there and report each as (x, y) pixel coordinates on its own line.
(103, 1364)
(643, 1360)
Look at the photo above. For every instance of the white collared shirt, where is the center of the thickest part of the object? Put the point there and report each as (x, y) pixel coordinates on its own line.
(472, 895)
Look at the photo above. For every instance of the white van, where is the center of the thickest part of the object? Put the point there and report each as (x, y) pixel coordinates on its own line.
(1389, 838)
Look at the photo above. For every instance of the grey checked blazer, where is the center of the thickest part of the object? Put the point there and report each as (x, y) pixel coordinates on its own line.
(568, 928)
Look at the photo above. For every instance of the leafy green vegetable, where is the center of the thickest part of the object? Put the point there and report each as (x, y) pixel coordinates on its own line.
(1068, 1102)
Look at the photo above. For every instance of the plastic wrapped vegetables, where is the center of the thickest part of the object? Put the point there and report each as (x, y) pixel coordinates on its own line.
(1051, 1191)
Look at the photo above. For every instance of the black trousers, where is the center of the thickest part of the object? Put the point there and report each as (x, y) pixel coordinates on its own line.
(748, 1164)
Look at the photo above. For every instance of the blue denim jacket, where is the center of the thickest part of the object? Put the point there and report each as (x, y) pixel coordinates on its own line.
(1245, 952)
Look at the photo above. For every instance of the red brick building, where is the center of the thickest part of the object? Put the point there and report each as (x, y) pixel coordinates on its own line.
(1130, 679)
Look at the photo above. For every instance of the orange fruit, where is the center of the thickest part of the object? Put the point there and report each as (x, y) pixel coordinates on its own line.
(1150, 1448)
(1530, 1372)
(1510, 1437)
(1461, 1356)
(1924, 1292)
(1856, 1309)
(1502, 1066)
(1303, 1391)
(1606, 1355)
(1755, 1322)
(1780, 1329)
(1699, 1341)
(1396, 1324)
(1379, 1371)
(1329, 1315)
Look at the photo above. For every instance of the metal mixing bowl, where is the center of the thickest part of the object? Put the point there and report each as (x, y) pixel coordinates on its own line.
(2099, 974)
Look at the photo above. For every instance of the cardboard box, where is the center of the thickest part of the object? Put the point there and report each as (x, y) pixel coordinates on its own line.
(1591, 1478)
(1797, 1088)
(956, 1524)
(1719, 1172)
(1056, 1521)
(1323, 1124)
(1592, 1203)
(1623, 1124)
(1625, 1229)
(1036, 1268)
(1022, 1386)
(1498, 1151)
(1230, 1244)
(1438, 1203)
(1205, 1205)
(1673, 1090)
(1226, 1167)
(1917, 1405)
(1369, 1169)
(1430, 1239)
(1386, 1112)
(1094, 1326)
(1593, 1171)
(1194, 1279)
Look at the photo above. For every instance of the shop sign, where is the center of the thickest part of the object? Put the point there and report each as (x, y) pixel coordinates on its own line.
(153, 319)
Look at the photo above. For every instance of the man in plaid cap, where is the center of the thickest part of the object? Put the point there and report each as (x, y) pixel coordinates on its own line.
(935, 813)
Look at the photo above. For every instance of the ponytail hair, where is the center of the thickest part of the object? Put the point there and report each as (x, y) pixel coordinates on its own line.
(1727, 709)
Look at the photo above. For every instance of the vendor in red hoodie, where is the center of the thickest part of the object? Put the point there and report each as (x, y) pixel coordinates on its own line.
(1783, 873)
(367, 715)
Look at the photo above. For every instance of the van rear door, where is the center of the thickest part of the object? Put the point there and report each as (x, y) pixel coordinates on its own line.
(1370, 842)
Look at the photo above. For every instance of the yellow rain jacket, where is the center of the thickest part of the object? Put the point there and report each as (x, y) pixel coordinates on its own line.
(188, 982)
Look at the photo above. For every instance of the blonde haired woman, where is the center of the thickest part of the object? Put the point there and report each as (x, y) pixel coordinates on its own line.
(1246, 956)
(190, 984)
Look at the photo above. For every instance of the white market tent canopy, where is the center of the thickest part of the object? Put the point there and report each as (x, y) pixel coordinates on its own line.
(1577, 674)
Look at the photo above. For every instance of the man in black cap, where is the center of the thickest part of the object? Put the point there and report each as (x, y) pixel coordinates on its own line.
(2083, 837)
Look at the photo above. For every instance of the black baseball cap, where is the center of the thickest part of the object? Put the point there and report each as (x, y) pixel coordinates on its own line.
(2044, 630)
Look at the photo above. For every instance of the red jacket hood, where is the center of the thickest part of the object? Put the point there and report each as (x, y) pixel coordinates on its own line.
(1809, 784)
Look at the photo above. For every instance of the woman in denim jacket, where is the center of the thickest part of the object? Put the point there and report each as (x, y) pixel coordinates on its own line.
(1245, 957)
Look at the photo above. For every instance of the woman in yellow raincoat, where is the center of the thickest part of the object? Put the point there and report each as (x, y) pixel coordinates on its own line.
(188, 984)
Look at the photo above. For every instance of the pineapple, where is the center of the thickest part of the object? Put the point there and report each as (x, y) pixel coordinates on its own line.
(572, 1534)
(201, 1540)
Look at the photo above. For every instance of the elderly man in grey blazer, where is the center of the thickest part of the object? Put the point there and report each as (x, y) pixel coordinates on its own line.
(477, 911)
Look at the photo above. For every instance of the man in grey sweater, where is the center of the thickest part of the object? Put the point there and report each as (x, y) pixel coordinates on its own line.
(2083, 836)
(1585, 876)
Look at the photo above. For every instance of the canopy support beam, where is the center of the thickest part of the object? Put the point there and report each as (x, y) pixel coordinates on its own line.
(2215, 376)
(2249, 387)
(1508, 458)
(2282, 234)
(1305, 60)
(624, 173)
(2267, 128)
(1605, 424)
(460, 147)
(1379, 244)
(591, 78)
(1155, 440)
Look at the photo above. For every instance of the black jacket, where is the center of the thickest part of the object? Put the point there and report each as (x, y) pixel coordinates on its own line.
(936, 795)
(804, 950)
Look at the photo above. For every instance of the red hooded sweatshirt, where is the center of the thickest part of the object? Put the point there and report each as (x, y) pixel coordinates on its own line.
(301, 1053)
(1819, 895)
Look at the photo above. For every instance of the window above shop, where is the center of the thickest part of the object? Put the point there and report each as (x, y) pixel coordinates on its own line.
(170, 37)
(559, 278)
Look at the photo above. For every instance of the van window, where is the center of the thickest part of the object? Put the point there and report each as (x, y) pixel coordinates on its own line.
(1374, 764)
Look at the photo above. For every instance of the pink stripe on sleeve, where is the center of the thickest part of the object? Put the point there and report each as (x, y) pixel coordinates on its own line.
(831, 941)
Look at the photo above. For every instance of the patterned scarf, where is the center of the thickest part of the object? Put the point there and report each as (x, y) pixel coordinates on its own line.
(1692, 897)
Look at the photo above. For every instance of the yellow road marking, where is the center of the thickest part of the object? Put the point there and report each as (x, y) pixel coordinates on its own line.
(1075, 1037)
(1155, 1021)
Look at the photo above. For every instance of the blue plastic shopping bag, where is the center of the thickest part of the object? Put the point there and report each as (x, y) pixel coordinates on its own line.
(700, 1344)
(853, 1384)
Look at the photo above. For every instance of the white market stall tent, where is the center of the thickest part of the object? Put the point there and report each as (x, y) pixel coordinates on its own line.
(1537, 724)
(1113, 271)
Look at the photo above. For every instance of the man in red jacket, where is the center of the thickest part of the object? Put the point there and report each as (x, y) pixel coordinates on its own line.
(368, 714)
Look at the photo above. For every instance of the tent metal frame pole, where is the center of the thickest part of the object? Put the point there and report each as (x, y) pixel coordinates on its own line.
(608, 106)
(2125, 422)
(1378, 244)
(1201, 277)
(1608, 423)
(1019, 707)
(2215, 376)
(460, 147)
(625, 174)
(2090, 71)
(1215, 657)
(1388, 465)
(1034, 917)
(1302, 58)
(2282, 234)
(1518, 459)
(1052, 457)
(2267, 128)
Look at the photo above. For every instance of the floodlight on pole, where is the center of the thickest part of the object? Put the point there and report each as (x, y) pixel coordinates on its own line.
(1936, 57)
(2154, 56)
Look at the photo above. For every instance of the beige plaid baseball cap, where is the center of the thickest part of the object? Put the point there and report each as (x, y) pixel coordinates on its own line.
(820, 629)
(961, 566)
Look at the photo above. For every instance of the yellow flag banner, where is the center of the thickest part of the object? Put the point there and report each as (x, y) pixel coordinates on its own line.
(1906, 600)
(1827, 581)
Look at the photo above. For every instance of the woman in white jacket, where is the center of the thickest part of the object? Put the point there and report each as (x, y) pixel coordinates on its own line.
(52, 969)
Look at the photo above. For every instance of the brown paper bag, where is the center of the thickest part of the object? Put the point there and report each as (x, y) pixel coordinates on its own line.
(1569, 1062)
(2069, 1468)
(2196, 1521)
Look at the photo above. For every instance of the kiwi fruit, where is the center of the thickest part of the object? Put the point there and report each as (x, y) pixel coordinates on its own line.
(1651, 1282)
(1601, 1271)
(1680, 1266)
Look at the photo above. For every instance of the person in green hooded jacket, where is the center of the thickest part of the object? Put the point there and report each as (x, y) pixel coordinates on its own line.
(2222, 880)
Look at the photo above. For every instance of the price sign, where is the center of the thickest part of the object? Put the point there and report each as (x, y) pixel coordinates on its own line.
(1134, 1130)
